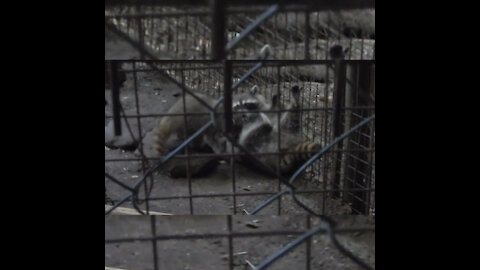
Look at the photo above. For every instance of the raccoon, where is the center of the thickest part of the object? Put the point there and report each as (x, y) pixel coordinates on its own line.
(262, 136)
(244, 106)
(289, 120)
(170, 132)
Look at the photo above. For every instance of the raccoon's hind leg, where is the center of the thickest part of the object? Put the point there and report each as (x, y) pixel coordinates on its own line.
(198, 167)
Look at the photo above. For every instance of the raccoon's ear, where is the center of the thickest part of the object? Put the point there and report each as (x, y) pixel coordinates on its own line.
(337, 52)
(265, 52)
(274, 101)
(295, 92)
(254, 90)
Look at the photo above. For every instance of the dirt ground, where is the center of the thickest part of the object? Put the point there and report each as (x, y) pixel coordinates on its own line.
(212, 253)
(156, 95)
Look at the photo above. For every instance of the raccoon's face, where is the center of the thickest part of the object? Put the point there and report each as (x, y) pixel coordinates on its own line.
(244, 107)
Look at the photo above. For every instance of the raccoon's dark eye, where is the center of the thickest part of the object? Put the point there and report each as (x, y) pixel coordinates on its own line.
(251, 106)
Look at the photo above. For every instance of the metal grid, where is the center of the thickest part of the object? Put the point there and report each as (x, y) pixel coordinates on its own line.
(344, 168)
(304, 31)
(242, 247)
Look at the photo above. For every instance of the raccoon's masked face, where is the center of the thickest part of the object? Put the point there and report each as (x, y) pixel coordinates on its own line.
(245, 107)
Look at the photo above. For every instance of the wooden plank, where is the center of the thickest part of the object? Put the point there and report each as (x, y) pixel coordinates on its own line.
(131, 211)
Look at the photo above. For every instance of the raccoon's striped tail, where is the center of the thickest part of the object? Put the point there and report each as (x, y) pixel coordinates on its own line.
(291, 162)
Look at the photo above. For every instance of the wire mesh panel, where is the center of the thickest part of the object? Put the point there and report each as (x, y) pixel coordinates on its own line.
(167, 31)
(238, 242)
(340, 181)
(176, 31)
(305, 34)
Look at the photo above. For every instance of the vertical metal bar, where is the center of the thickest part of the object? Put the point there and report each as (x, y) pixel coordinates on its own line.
(230, 242)
(232, 165)
(371, 159)
(189, 177)
(285, 42)
(204, 44)
(144, 160)
(364, 140)
(113, 67)
(350, 90)
(187, 41)
(307, 35)
(350, 101)
(154, 242)
(361, 45)
(338, 97)
(140, 31)
(196, 32)
(309, 246)
(169, 33)
(316, 38)
(324, 136)
(369, 179)
(177, 33)
(327, 44)
(227, 92)
(218, 29)
(350, 51)
(279, 142)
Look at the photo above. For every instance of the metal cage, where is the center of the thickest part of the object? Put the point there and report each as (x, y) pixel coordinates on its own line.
(157, 52)
(340, 181)
(238, 29)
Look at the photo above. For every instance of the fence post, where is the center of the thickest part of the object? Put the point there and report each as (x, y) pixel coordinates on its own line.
(227, 88)
(218, 29)
(358, 163)
(141, 33)
(338, 99)
(115, 86)
(307, 35)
